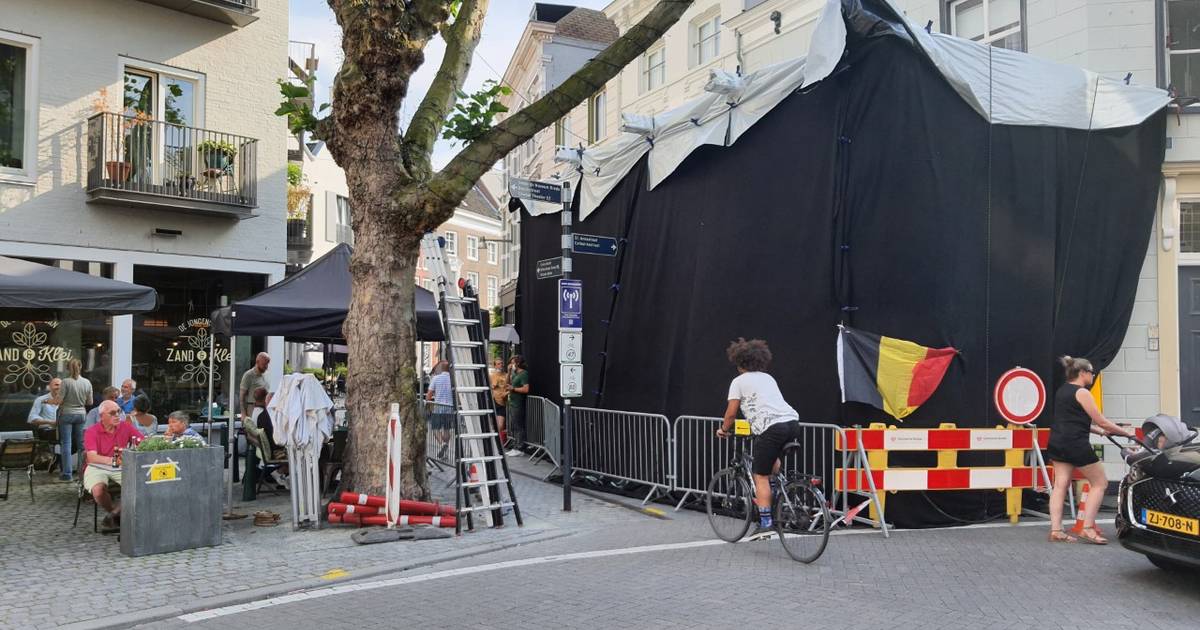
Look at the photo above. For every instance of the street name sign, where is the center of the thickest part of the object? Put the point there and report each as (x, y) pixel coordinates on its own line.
(570, 347)
(535, 190)
(570, 380)
(598, 245)
(549, 268)
(570, 305)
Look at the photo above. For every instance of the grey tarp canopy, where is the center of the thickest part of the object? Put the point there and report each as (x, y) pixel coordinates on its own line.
(312, 304)
(29, 290)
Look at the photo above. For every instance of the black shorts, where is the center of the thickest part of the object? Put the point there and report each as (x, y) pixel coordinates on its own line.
(769, 444)
(1077, 454)
(441, 421)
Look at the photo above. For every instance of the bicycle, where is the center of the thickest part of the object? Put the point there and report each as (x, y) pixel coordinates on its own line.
(798, 506)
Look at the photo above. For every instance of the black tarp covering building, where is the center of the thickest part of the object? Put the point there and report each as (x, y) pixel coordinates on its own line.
(878, 197)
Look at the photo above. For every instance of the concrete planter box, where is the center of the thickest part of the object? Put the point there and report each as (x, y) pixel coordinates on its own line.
(171, 500)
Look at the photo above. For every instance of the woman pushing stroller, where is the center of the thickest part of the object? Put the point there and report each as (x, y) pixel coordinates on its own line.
(1075, 416)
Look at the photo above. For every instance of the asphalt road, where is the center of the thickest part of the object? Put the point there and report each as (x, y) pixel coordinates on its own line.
(667, 574)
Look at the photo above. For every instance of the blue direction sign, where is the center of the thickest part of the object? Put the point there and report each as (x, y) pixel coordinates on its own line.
(570, 305)
(599, 245)
(535, 190)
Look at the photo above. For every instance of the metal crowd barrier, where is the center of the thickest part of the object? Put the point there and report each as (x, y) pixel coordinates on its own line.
(435, 454)
(624, 445)
(698, 454)
(543, 430)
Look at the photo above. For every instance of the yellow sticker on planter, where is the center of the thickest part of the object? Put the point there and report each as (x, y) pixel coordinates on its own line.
(159, 472)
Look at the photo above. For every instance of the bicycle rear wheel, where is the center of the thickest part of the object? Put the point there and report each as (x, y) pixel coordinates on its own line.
(728, 503)
(802, 520)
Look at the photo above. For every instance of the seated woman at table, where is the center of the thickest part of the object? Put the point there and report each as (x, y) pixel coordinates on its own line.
(179, 426)
(142, 419)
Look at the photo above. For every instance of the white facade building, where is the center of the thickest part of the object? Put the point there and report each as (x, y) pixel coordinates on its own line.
(1151, 42)
(138, 141)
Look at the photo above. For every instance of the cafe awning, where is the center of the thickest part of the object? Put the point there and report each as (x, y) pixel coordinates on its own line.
(312, 304)
(30, 290)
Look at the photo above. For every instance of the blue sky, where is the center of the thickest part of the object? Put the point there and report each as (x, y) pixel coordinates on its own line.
(312, 21)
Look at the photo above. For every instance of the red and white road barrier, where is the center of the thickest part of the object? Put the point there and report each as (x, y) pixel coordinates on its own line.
(394, 449)
(939, 479)
(945, 439)
(350, 508)
(406, 506)
(379, 519)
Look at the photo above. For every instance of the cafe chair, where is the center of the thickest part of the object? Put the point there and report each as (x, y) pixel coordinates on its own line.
(257, 439)
(17, 455)
(333, 465)
(114, 490)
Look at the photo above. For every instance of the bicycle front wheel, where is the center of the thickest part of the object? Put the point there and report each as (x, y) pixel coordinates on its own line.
(729, 504)
(802, 520)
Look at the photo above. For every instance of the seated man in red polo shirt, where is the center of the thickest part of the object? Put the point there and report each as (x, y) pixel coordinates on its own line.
(103, 443)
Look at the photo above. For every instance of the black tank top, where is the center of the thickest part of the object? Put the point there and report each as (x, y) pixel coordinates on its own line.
(1071, 423)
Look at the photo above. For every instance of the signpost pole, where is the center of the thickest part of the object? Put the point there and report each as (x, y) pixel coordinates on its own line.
(566, 419)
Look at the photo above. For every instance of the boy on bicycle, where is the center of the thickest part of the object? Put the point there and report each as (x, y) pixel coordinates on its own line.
(772, 420)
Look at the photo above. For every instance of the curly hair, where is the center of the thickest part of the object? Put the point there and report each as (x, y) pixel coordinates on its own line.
(751, 356)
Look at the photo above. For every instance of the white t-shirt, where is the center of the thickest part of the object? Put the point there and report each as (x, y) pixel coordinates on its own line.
(761, 401)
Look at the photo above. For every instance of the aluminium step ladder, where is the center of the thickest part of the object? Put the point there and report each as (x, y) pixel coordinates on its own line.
(481, 469)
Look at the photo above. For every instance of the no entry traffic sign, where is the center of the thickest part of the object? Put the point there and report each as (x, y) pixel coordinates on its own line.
(1020, 395)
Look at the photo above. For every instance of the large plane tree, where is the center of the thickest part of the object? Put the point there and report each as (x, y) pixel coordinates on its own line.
(398, 196)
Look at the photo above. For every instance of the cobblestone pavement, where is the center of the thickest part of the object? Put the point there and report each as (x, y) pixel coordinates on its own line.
(45, 563)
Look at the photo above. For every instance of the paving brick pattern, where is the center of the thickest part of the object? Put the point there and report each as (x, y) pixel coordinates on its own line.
(44, 562)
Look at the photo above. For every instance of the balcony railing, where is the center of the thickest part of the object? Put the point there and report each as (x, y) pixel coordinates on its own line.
(135, 161)
(234, 12)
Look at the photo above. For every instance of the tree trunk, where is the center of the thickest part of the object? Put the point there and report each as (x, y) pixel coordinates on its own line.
(380, 329)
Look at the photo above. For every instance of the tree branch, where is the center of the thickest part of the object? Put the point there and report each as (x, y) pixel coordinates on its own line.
(453, 182)
(461, 37)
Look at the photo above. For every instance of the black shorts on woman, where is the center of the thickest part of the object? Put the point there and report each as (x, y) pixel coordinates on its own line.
(1069, 436)
(769, 444)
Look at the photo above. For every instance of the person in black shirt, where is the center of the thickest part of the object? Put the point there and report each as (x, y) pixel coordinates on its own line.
(1075, 417)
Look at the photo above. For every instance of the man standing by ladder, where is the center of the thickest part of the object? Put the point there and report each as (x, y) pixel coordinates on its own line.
(442, 415)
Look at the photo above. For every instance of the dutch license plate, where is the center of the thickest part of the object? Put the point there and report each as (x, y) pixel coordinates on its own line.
(1180, 524)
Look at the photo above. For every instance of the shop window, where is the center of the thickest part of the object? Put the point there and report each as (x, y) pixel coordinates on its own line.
(171, 345)
(34, 352)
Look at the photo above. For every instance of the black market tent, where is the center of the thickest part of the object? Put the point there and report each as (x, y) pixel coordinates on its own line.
(312, 304)
(906, 183)
(29, 290)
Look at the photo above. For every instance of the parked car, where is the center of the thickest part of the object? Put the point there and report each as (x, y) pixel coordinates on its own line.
(1158, 511)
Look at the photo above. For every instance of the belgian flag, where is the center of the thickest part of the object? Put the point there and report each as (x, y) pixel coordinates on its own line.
(891, 374)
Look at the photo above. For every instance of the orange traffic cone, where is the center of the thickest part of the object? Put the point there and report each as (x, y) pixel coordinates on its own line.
(1085, 487)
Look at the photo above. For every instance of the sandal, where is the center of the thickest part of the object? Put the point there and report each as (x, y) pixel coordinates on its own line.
(1057, 535)
(1093, 536)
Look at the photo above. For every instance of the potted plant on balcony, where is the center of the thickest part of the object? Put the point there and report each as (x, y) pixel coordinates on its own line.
(218, 154)
(133, 131)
